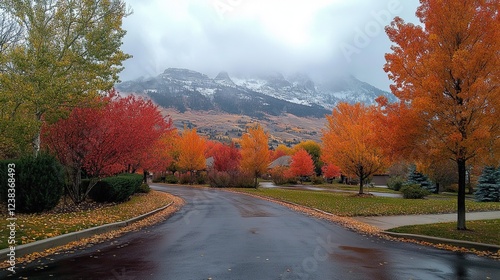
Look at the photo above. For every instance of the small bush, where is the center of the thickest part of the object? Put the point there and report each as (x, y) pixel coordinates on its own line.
(219, 179)
(158, 180)
(222, 179)
(317, 180)
(171, 179)
(201, 179)
(395, 183)
(39, 182)
(185, 179)
(451, 188)
(414, 192)
(116, 189)
(244, 181)
(143, 188)
(281, 176)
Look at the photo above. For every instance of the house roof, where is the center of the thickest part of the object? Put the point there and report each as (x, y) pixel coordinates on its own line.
(281, 161)
(209, 162)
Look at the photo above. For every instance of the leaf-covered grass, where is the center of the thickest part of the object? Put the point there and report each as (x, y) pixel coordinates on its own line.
(347, 204)
(32, 227)
(483, 231)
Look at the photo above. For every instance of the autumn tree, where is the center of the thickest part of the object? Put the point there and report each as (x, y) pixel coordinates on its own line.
(314, 150)
(158, 156)
(104, 140)
(302, 164)
(349, 141)
(58, 53)
(191, 151)
(255, 156)
(447, 70)
(227, 158)
(330, 171)
(399, 131)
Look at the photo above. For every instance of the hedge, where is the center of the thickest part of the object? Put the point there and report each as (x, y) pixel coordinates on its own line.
(39, 182)
(117, 188)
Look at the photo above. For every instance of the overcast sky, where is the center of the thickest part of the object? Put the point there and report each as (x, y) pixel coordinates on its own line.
(323, 38)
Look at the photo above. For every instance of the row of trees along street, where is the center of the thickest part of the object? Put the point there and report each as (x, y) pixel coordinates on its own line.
(60, 59)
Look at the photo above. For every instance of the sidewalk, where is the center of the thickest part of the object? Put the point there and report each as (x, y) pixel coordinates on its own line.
(387, 222)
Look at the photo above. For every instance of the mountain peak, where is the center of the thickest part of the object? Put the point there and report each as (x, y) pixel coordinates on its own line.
(261, 93)
(184, 74)
(223, 79)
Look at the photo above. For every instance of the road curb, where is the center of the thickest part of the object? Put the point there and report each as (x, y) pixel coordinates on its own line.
(453, 242)
(44, 244)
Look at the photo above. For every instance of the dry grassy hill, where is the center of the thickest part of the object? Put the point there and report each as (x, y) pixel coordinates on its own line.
(287, 129)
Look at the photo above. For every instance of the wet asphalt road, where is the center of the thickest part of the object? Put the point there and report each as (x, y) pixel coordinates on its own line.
(221, 235)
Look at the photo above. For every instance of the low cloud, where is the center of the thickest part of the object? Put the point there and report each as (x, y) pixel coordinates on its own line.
(323, 38)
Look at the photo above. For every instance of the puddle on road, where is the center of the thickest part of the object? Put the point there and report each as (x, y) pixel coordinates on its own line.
(373, 260)
(248, 209)
(360, 250)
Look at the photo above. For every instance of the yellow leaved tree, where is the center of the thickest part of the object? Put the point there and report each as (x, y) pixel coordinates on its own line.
(255, 156)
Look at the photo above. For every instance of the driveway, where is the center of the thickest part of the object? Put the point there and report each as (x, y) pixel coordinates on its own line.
(222, 235)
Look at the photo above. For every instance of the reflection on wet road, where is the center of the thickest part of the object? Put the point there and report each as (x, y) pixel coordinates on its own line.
(221, 235)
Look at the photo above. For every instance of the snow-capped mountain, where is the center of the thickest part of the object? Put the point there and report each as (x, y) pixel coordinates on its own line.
(253, 95)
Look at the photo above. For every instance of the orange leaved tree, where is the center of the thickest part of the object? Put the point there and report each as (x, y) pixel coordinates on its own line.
(447, 70)
(255, 156)
(191, 151)
(302, 164)
(349, 142)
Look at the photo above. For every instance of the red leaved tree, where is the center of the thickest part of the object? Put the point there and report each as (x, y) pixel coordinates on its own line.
(158, 157)
(302, 164)
(104, 140)
(330, 171)
(227, 158)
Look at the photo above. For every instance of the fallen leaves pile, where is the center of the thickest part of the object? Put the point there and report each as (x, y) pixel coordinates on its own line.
(152, 201)
(367, 229)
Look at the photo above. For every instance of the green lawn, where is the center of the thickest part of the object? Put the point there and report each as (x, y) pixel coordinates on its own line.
(346, 204)
(484, 231)
(32, 227)
(355, 188)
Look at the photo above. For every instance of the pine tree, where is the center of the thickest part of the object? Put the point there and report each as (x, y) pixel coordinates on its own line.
(488, 187)
(417, 178)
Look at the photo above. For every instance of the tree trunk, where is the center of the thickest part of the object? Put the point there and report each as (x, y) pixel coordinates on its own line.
(461, 195)
(37, 140)
(360, 186)
(36, 143)
(361, 179)
(145, 176)
(256, 181)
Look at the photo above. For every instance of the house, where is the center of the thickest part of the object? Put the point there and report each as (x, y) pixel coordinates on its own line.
(281, 161)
